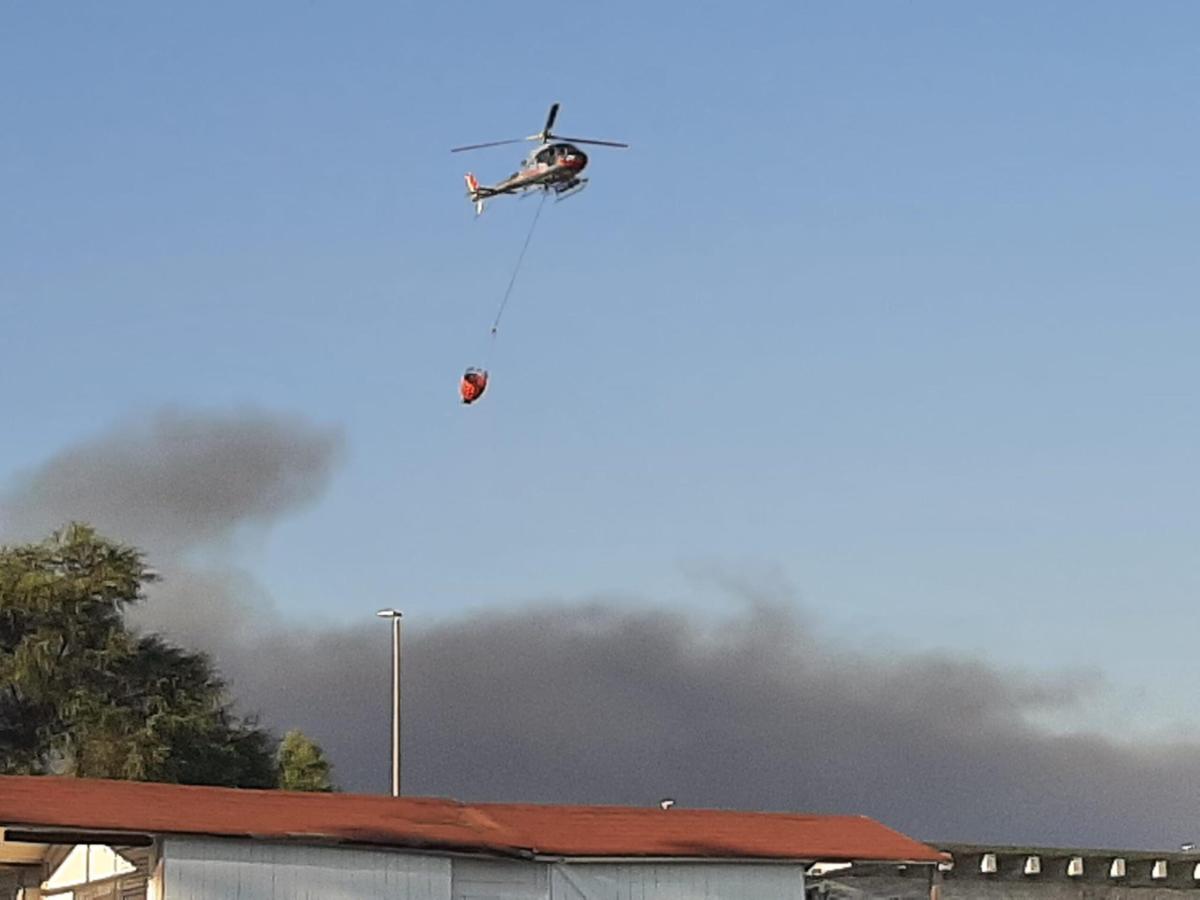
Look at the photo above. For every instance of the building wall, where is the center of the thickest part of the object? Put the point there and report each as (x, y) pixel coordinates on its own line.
(875, 883)
(676, 881)
(480, 879)
(487, 880)
(1054, 881)
(214, 869)
(880, 887)
(1060, 891)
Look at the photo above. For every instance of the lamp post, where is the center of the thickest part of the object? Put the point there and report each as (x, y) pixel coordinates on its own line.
(395, 615)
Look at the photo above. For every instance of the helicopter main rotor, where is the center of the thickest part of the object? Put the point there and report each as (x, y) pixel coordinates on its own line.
(544, 136)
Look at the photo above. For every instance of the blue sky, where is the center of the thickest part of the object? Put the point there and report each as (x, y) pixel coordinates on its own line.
(889, 302)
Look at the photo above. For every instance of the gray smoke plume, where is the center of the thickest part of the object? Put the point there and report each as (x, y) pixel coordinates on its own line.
(598, 701)
(175, 483)
(178, 480)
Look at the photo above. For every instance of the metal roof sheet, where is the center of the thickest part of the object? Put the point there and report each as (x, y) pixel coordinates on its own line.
(427, 823)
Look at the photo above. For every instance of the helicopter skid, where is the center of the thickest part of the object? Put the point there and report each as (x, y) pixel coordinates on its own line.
(569, 188)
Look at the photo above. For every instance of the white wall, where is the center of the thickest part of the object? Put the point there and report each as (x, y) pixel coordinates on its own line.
(214, 869)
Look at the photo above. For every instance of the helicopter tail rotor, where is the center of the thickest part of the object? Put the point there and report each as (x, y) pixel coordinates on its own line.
(474, 194)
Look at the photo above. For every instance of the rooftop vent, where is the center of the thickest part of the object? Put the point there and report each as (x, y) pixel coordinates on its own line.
(1075, 867)
(987, 865)
(1033, 865)
(1160, 869)
(1117, 869)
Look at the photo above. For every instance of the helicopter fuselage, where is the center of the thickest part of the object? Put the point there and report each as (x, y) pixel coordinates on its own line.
(551, 166)
(554, 166)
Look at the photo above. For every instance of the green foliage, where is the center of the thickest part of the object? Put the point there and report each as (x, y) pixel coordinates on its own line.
(302, 764)
(81, 693)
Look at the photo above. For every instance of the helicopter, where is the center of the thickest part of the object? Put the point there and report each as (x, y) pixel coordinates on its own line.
(554, 165)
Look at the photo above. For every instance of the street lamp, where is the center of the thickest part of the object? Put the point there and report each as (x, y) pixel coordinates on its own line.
(395, 615)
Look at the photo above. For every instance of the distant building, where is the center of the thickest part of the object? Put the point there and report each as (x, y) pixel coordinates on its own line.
(79, 839)
(978, 872)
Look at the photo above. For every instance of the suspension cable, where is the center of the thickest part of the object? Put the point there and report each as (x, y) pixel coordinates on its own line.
(517, 268)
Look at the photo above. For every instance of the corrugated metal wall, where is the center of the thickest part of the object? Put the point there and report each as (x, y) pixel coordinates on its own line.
(212, 869)
(482, 880)
(479, 879)
(676, 881)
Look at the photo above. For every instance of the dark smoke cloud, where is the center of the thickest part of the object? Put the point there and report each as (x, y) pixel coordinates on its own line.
(179, 479)
(601, 701)
(602, 704)
(179, 482)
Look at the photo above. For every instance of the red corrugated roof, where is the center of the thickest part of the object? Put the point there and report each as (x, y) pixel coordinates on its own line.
(499, 828)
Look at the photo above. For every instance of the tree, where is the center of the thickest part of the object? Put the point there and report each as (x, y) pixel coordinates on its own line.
(83, 694)
(302, 764)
